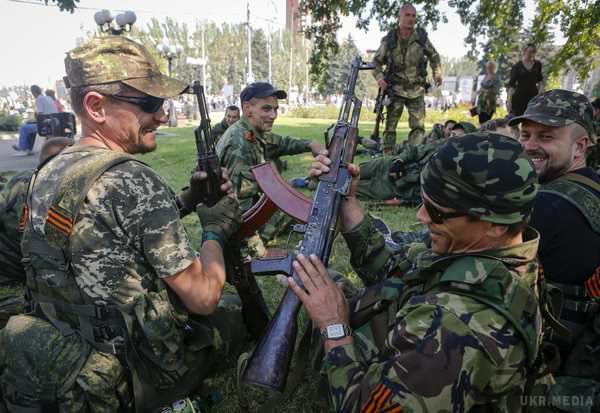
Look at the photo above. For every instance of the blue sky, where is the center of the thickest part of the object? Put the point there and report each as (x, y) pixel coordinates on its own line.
(35, 37)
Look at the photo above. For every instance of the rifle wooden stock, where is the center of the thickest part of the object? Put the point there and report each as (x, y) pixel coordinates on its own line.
(269, 364)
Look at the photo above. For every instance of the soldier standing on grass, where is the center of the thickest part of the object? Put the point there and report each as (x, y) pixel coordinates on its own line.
(404, 53)
(123, 314)
(461, 325)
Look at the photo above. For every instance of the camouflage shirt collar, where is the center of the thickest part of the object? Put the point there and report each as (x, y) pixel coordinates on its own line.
(256, 135)
(513, 256)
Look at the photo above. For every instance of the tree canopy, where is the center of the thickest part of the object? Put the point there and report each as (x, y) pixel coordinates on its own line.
(495, 28)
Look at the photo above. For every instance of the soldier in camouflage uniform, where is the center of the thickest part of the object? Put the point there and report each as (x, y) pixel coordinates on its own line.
(396, 177)
(454, 327)
(232, 115)
(556, 130)
(404, 53)
(12, 201)
(123, 313)
(250, 142)
(439, 131)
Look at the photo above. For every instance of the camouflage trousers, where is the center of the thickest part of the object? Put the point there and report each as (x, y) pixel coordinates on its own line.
(376, 184)
(41, 369)
(416, 120)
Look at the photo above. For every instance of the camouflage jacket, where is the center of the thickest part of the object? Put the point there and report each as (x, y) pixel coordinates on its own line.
(436, 134)
(409, 58)
(12, 199)
(218, 130)
(242, 147)
(488, 94)
(445, 349)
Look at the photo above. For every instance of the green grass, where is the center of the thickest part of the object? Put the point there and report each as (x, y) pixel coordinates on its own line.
(175, 158)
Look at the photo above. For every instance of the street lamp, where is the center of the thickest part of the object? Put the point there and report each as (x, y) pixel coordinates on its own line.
(170, 52)
(124, 21)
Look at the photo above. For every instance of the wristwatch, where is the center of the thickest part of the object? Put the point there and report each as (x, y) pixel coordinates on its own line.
(336, 332)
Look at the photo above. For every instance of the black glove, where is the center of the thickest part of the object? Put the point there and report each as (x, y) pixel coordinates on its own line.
(192, 195)
(220, 221)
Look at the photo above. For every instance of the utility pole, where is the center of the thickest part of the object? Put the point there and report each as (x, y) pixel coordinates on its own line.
(250, 76)
(203, 58)
(269, 50)
(291, 58)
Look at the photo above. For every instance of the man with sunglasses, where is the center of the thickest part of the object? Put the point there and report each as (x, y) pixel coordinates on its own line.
(454, 326)
(123, 313)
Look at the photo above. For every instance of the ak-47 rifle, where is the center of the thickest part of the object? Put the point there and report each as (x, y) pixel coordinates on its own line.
(269, 364)
(380, 102)
(254, 309)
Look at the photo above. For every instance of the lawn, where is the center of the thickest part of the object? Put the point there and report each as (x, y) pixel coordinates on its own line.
(175, 158)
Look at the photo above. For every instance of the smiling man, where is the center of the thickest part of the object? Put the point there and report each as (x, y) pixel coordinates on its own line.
(453, 327)
(556, 131)
(250, 141)
(112, 279)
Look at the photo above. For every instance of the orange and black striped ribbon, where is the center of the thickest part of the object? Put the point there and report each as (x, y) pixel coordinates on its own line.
(379, 401)
(24, 218)
(60, 220)
(592, 284)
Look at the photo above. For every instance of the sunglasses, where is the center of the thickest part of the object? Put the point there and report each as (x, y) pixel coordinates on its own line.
(438, 216)
(148, 104)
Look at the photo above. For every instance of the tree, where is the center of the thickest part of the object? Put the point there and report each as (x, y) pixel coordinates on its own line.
(494, 27)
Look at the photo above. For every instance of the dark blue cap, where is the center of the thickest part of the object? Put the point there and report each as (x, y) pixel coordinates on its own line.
(261, 90)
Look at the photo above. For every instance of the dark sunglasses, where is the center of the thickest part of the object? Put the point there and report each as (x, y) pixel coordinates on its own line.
(438, 216)
(148, 104)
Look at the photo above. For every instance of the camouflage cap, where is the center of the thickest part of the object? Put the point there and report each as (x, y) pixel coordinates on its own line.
(466, 126)
(483, 174)
(110, 59)
(559, 107)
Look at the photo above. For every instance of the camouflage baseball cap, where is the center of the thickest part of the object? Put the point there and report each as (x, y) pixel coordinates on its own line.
(483, 174)
(559, 107)
(466, 126)
(110, 59)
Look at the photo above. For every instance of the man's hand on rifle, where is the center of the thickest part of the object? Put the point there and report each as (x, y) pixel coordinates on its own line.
(222, 220)
(316, 148)
(192, 196)
(382, 84)
(437, 79)
(351, 213)
(322, 297)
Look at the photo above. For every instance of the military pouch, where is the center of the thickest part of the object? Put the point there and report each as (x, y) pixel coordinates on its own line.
(584, 359)
(163, 334)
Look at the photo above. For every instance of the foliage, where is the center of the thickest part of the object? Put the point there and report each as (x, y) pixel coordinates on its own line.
(495, 29)
(65, 5)
(9, 122)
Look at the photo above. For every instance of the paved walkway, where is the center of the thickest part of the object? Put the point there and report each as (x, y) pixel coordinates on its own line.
(11, 160)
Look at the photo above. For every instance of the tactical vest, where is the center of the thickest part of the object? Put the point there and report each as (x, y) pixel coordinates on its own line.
(392, 42)
(151, 348)
(580, 343)
(583, 300)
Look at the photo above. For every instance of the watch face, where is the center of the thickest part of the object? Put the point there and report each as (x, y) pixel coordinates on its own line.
(335, 331)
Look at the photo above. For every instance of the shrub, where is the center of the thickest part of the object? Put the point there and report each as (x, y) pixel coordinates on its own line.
(10, 123)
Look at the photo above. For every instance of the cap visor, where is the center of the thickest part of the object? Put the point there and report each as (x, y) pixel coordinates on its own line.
(542, 119)
(279, 94)
(160, 86)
